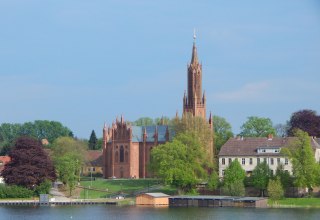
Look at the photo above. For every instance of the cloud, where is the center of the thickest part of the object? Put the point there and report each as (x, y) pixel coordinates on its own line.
(248, 92)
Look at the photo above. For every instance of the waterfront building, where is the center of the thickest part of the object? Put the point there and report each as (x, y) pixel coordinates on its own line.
(250, 151)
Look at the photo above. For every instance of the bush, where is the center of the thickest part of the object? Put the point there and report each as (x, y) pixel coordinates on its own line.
(235, 189)
(43, 188)
(14, 192)
(275, 189)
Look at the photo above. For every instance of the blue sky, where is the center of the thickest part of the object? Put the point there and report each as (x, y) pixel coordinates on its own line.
(85, 62)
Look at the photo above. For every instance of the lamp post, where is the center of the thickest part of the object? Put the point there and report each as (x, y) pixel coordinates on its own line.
(91, 175)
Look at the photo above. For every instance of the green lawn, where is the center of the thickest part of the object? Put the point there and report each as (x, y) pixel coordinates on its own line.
(116, 186)
(299, 202)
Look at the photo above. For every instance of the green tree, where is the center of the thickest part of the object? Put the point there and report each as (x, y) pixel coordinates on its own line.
(213, 181)
(199, 128)
(181, 163)
(93, 141)
(69, 157)
(233, 179)
(303, 161)
(222, 131)
(275, 189)
(68, 169)
(260, 177)
(257, 127)
(284, 176)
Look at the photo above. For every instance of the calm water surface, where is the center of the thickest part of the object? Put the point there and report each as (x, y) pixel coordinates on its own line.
(133, 212)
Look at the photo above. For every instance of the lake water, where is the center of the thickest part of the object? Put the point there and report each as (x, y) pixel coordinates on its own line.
(133, 212)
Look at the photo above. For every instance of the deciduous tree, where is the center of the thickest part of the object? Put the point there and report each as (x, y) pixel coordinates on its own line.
(260, 177)
(29, 166)
(306, 120)
(303, 161)
(257, 127)
(275, 189)
(233, 179)
(182, 162)
(222, 131)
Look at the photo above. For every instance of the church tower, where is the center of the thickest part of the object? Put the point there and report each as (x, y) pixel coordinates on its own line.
(194, 101)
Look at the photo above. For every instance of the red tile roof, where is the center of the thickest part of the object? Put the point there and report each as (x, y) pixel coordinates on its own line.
(94, 157)
(3, 161)
(249, 146)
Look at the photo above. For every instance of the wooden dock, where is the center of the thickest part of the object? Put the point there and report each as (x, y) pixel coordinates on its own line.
(37, 203)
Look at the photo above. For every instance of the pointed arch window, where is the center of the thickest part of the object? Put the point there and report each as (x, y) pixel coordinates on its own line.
(117, 157)
(121, 154)
(126, 156)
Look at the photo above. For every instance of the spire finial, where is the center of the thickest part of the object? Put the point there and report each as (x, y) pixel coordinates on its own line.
(194, 35)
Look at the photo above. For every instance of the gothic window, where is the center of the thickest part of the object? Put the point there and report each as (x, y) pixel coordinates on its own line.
(126, 156)
(117, 157)
(121, 154)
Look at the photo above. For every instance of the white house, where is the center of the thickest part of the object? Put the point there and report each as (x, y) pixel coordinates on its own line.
(251, 151)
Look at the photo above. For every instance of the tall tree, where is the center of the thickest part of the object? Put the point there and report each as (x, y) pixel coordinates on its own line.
(68, 169)
(305, 167)
(69, 156)
(233, 179)
(29, 166)
(306, 120)
(257, 127)
(182, 162)
(199, 128)
(260, 177)
(222, 131)
(93, 141)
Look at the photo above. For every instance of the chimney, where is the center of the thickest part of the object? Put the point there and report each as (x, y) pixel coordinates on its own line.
(270, 137)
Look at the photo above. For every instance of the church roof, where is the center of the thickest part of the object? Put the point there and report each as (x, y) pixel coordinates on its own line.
(138, 131)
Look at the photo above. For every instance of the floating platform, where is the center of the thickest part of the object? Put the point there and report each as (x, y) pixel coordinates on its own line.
(217, 201)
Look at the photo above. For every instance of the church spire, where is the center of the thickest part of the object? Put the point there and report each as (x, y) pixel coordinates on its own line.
(194, 57)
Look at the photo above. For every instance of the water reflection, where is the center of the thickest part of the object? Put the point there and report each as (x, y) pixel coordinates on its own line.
(133, 212)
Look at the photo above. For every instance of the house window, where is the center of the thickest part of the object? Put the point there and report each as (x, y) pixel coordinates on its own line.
(271, 161)
(286, 161)
(230, 161)
(222, 172)
(243, 161)
(258, 160)
(278, 161)
(121, 154)
(265, 160)
(223, 161)
(93, 169)
(250, 161)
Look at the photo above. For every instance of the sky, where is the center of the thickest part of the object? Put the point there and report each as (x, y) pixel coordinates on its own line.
(83, 63)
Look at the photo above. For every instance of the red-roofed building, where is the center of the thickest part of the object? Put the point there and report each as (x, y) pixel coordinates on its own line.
(250, 151)
(3, 161)
(93, 163)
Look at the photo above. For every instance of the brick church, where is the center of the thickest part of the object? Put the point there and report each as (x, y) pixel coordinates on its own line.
(127, 148)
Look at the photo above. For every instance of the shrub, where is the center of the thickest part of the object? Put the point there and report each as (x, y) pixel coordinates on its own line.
(275, 189)
(14, 192)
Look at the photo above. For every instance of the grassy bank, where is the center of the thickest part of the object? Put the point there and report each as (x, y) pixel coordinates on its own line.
(296, 202)
(104, 188)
